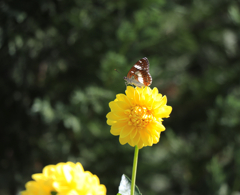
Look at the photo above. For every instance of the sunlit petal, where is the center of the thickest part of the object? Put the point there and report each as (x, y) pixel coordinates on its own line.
(159, 103)
(163, 112)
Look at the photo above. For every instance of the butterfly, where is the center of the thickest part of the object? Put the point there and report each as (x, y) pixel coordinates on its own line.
(139, 74)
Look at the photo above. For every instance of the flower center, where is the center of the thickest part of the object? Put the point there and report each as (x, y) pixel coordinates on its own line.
(139, 116)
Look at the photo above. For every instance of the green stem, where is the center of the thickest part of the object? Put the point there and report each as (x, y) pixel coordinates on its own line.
(134, 170)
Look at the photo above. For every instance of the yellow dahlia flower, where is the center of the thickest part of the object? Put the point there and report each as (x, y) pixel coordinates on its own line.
(137, 116)
(64, 179)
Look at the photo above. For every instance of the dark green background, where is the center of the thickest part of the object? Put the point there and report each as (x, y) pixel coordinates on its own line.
(57, 61)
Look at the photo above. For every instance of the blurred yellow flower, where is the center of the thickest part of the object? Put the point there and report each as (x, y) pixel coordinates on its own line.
(137, 116)
(64, 179)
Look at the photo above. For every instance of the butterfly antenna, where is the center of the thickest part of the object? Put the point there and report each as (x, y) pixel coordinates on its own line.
(118, 71)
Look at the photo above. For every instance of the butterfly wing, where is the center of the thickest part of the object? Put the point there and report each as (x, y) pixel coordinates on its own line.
(140, 72)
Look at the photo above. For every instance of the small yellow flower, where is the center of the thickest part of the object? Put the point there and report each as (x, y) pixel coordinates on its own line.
(64, 179)
(137, 116)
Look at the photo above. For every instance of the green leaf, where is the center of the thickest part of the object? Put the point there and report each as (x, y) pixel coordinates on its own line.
(125, 187)
(53, 193)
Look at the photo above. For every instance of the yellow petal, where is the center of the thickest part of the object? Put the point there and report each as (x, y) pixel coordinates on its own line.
(133, 133)
(142, 101)
(140, 144)
(124, 98)
(131, 143)
(115, 131)
(120, 97)
(136, 97)
(79, 168)
(136, 138)
(161, 102)
(114, 106)
(139, 89)
(144, 137)
(119, 124)
(113, 116)
(150, 140)
(159, 96)
(156, 138)
(148, 100)
(123, 105)
(146, 91)
(37, 176)
(149, 137)
(130, 91)
(123, 140)
(154, 132)
(120, 113)
(154, 92)
(126, 131)
(163, 112)
(158, 126)
(110, 122)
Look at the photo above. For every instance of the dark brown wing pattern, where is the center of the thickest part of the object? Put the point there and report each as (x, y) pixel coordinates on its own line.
(140, 71)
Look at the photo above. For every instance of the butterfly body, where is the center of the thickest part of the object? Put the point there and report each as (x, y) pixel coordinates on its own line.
(139, 74)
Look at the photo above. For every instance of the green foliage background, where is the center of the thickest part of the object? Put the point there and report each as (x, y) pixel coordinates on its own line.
(57, 61)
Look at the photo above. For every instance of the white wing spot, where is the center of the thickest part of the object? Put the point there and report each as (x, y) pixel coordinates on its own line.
(140, 61)
(138, 67)
(140, 79)
(138, 73)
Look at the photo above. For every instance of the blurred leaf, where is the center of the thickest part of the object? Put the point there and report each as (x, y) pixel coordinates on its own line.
(125, 186)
